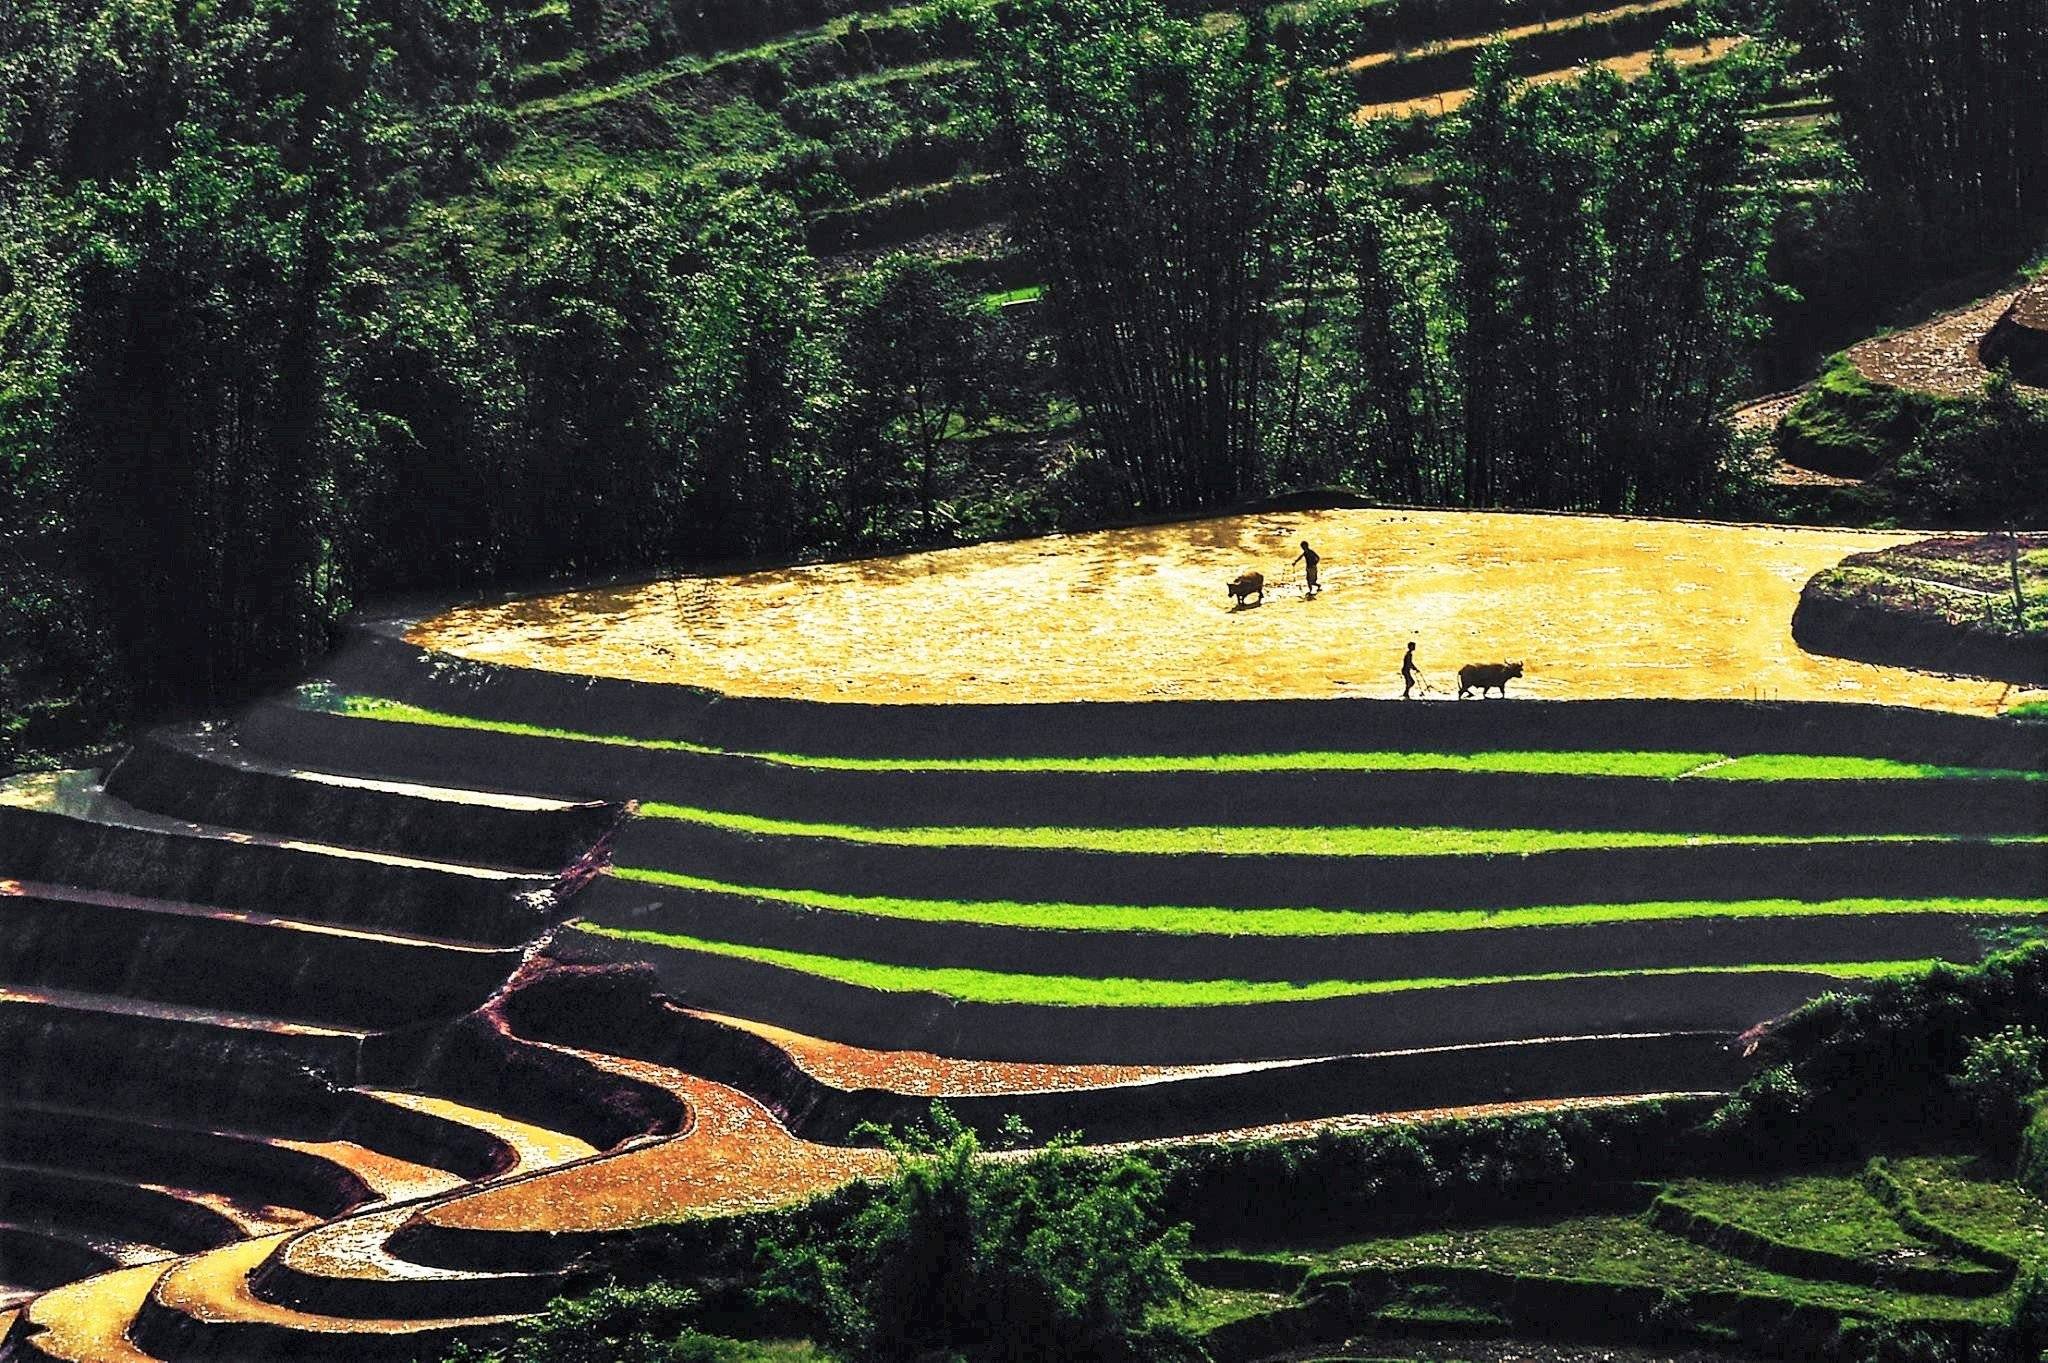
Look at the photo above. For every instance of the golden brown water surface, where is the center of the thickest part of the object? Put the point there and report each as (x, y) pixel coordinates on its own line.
(1594, 607)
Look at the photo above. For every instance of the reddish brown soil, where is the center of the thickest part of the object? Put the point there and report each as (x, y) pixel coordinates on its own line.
(735, 1157)
(925, 1075)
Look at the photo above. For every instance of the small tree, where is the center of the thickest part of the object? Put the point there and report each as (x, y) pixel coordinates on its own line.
(1999, 1079)
(921, 356)
(1055, 1255)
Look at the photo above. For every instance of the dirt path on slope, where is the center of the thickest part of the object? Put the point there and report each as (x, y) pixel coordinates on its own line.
(1595, 607)
(1938, 356)
(1628, 66)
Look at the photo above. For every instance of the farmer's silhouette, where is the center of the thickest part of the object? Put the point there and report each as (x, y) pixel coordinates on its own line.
(1408, 672)
(1308, 558)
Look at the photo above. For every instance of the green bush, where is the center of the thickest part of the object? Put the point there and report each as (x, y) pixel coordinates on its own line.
(2033, 1174)
(1850, 426)
(1055, 1255)
(614, 1325)
(2030, 1316)
(1999, 1078)
(1875, 1065)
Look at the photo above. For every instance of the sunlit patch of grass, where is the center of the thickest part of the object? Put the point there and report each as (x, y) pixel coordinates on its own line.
(1075, 991)
(1829, 1212)
(1626, 1249)
(1319, 922)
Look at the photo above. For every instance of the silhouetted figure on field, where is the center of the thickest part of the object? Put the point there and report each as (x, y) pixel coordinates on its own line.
(1309, 558)
(1408, 671)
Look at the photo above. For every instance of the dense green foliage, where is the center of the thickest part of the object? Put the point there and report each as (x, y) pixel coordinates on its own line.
(651, 1324)
(1944, 105)
(1055, 1255)
(1245, 298)
(1158, 173)
(1977, 462)
(1609, 274)
(304, 304)
(1999, 1077)
(245, 383)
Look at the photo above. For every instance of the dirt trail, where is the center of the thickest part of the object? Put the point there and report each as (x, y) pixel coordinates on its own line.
(1628, 66)
(1589, 20)
(1596, 607)
(1938, 356)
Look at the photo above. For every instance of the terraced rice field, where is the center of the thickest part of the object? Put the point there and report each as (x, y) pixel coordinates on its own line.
(1594, 608)
(884, 95)
(375, 925)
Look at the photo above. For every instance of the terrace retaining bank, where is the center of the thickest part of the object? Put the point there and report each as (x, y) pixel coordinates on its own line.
(209, 779)
(1422, 1018)
(1836, 870)
(188, 956)
(1133, 953)
(228, 873)
(538, 765)
(377, 660)
(642, 1026)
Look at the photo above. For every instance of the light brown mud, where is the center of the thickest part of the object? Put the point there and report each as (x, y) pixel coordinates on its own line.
(1595, 607)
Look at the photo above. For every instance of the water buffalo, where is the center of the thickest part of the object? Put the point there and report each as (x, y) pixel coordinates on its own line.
(1484, 677)
(1248, 585)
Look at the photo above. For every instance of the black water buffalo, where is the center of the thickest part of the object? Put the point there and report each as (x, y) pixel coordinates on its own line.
(1484, 677)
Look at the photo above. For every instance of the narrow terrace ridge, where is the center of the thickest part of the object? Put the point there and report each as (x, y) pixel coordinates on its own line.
(348, 1268)
(205, 776)
(1693, 791)
(113, 899)
(533, 1147)
(207, 1306)
(173, 1220)
(267, 1176)
(388, 1177)
(84, 1322)
(79, 795)
(112, 1251)
(122, 1006)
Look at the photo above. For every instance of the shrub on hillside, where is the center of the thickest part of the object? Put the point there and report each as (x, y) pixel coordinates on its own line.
(2033, 1172)
(1877, 1063)
(2030, 1316)
(1462, 1169)
(1057, 1255)
(1999, 1079)
(613, 1325)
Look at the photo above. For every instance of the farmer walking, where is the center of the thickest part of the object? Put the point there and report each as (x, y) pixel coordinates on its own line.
(1308, 558)
(1408, 672)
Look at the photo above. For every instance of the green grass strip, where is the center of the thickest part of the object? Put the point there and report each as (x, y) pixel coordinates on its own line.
(1564, 762)
(1254, 841)
(1319, 922)
(1074, 991)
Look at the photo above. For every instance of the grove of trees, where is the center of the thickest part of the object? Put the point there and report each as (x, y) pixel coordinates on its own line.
(275, 339)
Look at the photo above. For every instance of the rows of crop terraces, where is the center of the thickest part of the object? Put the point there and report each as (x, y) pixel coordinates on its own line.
(375, 930)
(906, 78)
(981, 891)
